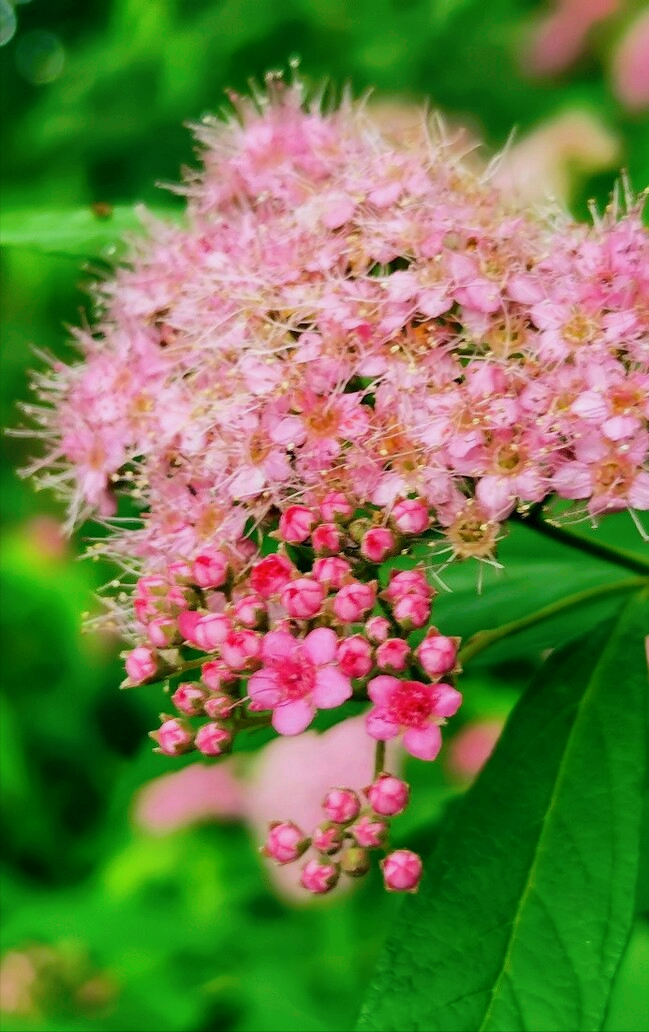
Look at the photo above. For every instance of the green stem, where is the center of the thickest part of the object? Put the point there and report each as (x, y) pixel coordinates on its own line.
(609, 553)
(484, 639)
(379, 759)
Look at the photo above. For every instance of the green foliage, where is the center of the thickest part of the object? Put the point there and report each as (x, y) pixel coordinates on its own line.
(80, 233)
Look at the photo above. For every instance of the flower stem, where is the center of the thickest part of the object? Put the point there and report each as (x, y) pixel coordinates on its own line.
(379, 759)
(609, 553)
(484, 639)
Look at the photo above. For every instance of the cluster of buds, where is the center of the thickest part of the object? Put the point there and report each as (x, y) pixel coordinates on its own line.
(343, 842)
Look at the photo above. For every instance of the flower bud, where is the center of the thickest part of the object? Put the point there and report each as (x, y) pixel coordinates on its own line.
(388, 795)
(152, 586)
(402, 870)
(377, 629)
(174, 737)
(328, 837)
(269, 575)
(219, 705)
(295, 524)
(210, 569)
(326, 539)
(370, 832)
(331, 571)
(411, 516)
(341, 805)
(250, 611)
(212, 739)
(180, 597)
(355, 656)
(214, 674)
(353, 601)
(407, 582)
(377, 544)
(210, 631)
(318, 877)
(240, 649)
(303, 598)
(180, 572)
(144, 610)
(285, 842)
(162, 632)
(335, 506)
(411, 611)
(142, 665)
(393, 655)
(189, 699)
(355, 862)
(437, 654)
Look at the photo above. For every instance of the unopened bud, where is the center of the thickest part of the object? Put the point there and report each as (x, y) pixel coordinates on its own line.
(355, 862)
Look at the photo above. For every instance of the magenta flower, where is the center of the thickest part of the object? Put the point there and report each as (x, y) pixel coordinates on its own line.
(412, 709)
(297, 678)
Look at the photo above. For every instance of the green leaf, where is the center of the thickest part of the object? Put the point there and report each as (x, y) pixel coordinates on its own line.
(529, 897)
(78, 233)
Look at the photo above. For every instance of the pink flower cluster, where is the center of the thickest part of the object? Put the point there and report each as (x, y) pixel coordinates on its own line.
(343, 841)
(342, 312)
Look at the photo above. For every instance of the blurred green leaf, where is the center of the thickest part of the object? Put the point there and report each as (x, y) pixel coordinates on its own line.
(78, 233)
(528, 901)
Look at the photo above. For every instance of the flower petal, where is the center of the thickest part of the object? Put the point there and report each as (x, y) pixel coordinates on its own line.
(263, 689)
(378, 725)
(332, 688)
(381, 688)
(291, 718)
(423, 742)
(320, 645)
(446, 700)
(278, 645)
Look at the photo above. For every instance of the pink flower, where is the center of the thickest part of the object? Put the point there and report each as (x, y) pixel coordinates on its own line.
(250, 611)
(295, 524)
(326, 539)
(377, 544)
(214, 674)
(285, 843)
(355, 656)
(353, 601)
(303, 598)
(378, 629)
(402, 870)
(331, 571)
(411, 516)
(328, 838)
(212, 739)
(219, 705)
(319, 878)
(341, 805)
(411, 611)
(388, 795)
(335, 504)
(437, 654)
(141, 665)
(210, 569)
(411, 707)
(174, 737)
(162, 632)
(297, 678)
(407, 582)
(370, 832)
(189, 699)
(269, 575)
(240, 649)
(209, 632)
(393, 654)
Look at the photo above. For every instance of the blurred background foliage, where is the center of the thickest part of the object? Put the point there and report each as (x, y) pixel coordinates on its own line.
(108, 925)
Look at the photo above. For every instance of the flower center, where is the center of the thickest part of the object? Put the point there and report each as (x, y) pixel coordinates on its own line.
(296, 678)
(411, 704)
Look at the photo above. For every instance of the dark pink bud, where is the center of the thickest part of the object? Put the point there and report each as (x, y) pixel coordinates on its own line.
(285, 843)
(331, 571)
(411, 516)
(377, 544)
(411, 611)
(187, 623)
(437, 654)
(210, 569)
(318, 877)
(355, 862)
(353, 601)
(162, 632)
(295, 524)
(335, 506)
(211, 630)
(174, 737)
(402, 870)
(240, 649)
(341, 805)
(212, 739)
(250, 611)
(189, 699)
(215, 674)
(355, 656)
(144, 610)
(326, 539)
(142, 665)
(328, 838)
(269, 575)
(408, 582)
(370, 832)
(219, 705)
(388, 795)
(393, 655)
(377, 629)
(303, 598)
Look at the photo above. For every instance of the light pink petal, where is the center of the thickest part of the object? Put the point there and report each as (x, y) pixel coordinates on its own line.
(320, 645)
(590, 405)
(288, 430)
(380, 689)
(331, 688)
(496, 496)
(574, 480)
(447, 700)
(618, 427)
(291, 718)
(424, 742)
(263, 689)
(639, 492)
(380, 726)
(278, 645)
(248, 481)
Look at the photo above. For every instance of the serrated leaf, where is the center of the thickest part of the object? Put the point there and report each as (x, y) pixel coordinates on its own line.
(528, 899)
(78, 233)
